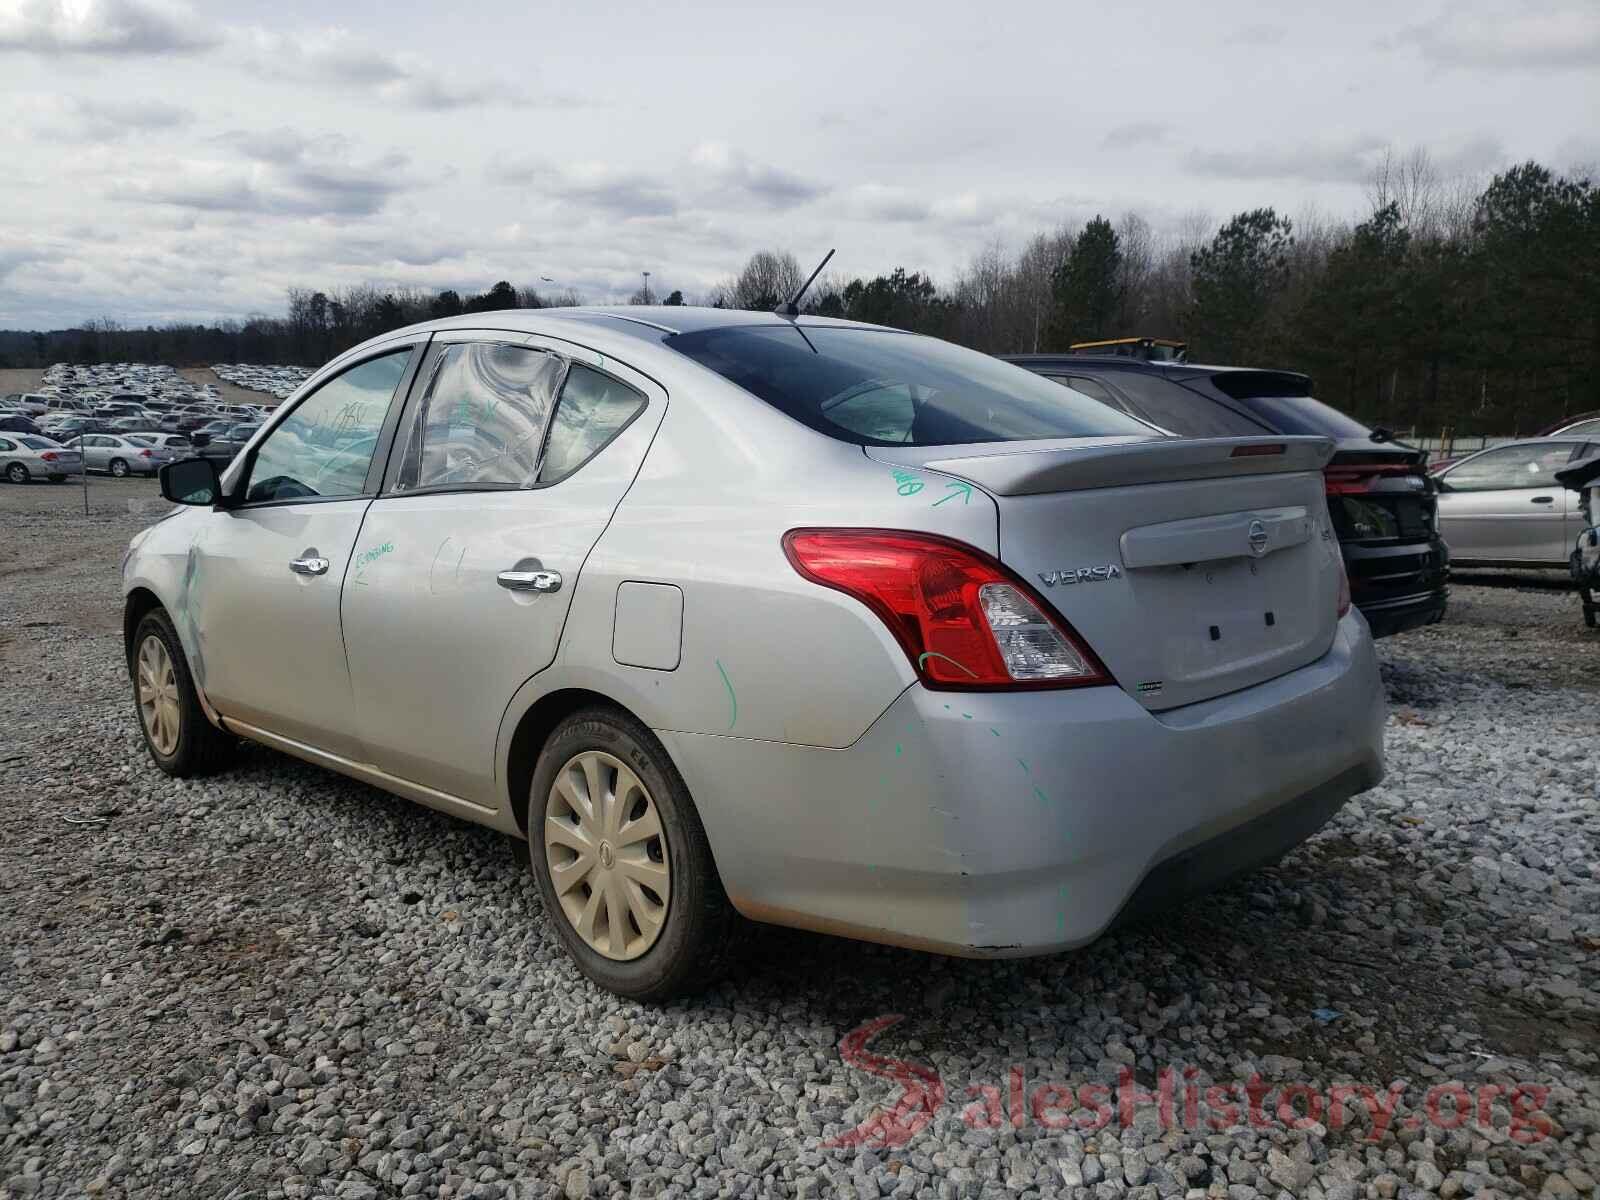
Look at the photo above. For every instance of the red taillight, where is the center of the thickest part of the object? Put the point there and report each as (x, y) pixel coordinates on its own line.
(48, 456)
(144, 454)
(964, 621)
(1354, 481)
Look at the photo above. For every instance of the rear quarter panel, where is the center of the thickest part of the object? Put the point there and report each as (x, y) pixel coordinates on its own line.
(765, 653)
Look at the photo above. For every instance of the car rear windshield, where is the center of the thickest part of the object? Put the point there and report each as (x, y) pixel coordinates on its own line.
(1304, 414)
(881, 388)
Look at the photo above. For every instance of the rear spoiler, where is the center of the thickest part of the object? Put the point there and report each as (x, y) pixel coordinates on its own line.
(1036, 467)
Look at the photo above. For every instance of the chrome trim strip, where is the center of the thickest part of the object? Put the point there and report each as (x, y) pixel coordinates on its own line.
(367, 773)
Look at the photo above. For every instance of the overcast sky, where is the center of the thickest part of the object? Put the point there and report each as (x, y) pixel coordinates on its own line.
(159, 161)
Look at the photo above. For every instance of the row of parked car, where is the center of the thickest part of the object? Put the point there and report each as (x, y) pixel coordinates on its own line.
(1401, 521)
(275, 381)
(120, 418)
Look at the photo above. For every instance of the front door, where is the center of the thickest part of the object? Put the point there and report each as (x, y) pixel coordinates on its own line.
(509, 461)
(1506, 505)
(267, 573)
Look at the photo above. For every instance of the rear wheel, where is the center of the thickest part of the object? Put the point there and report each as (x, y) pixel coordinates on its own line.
(118, 467)
(622, 860)
(177, 733)
(17, 473)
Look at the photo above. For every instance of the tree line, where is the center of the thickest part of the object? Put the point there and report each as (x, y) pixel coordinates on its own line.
(1448, 305)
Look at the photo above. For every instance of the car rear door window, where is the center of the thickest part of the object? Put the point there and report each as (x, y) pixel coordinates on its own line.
(593, 409)
(482, 418)
(325, 446)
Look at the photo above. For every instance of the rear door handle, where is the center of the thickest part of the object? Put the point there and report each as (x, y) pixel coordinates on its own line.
(1543, 500)
(309, 566)
(530, 581)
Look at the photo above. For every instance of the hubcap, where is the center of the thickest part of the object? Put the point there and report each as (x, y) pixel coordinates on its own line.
(607, 856)
(158, 695)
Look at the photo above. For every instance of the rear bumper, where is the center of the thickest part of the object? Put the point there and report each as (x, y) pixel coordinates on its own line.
(1007, 824)
(1398, 587)
(1386, 617)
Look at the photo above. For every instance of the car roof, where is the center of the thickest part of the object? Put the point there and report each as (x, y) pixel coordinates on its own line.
(649, 322)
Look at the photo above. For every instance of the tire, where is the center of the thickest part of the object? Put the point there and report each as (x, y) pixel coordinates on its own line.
(17, 473)
(694, 937)
(119, 468)
(199, 748)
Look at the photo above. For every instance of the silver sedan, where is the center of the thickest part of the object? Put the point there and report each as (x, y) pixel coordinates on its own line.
(723, 613)
(1503, 506)
(26, 456)
(118, 454)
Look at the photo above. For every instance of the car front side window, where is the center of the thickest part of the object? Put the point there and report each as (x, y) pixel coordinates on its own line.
(324, 448)
(1511, 467)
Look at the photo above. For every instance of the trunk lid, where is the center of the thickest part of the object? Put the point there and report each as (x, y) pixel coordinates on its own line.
(1192, 567)
(1380, 492)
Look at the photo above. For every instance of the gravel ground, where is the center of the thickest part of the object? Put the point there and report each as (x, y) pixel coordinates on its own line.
(281, 983)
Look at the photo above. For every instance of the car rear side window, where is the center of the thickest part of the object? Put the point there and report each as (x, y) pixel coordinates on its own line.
(1186, 413)
(482, 418)
(877, 387)
(594, 408)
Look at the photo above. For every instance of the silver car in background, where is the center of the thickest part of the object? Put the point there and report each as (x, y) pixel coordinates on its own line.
(119, 455)
(1503, 507)
(28, 456)
(820, 623)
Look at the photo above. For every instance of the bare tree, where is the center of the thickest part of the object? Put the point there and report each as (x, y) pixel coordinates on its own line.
(768, 278)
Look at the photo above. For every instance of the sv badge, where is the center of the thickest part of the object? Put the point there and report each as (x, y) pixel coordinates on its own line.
(1080, 575)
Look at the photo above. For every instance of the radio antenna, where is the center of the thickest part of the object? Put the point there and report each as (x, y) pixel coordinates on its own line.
(791, 307)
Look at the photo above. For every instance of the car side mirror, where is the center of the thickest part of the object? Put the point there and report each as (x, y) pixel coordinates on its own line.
(191, 481)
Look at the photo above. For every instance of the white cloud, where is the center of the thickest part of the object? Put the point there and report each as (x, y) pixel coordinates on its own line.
(111, 27)
(734, 172)
(78, 119)
(1343, 160)
(336, 58)
(276, 173)
(1537, 34)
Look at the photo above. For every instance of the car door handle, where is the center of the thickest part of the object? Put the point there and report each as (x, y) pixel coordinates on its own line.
(1543, 500)
(530, 581)
(309, 566)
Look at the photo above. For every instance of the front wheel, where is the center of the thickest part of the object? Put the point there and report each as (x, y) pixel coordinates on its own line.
(177, 733)
(17, 473)
(118, 467)
(622, 860)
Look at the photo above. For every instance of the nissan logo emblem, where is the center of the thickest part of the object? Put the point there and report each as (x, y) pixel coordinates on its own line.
(1257, 537)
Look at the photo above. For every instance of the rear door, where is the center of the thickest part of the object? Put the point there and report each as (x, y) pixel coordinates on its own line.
(1505, 504)
(510, 460)
(262, 587)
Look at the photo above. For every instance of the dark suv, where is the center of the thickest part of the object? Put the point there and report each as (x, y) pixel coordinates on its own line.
(1380, 497)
